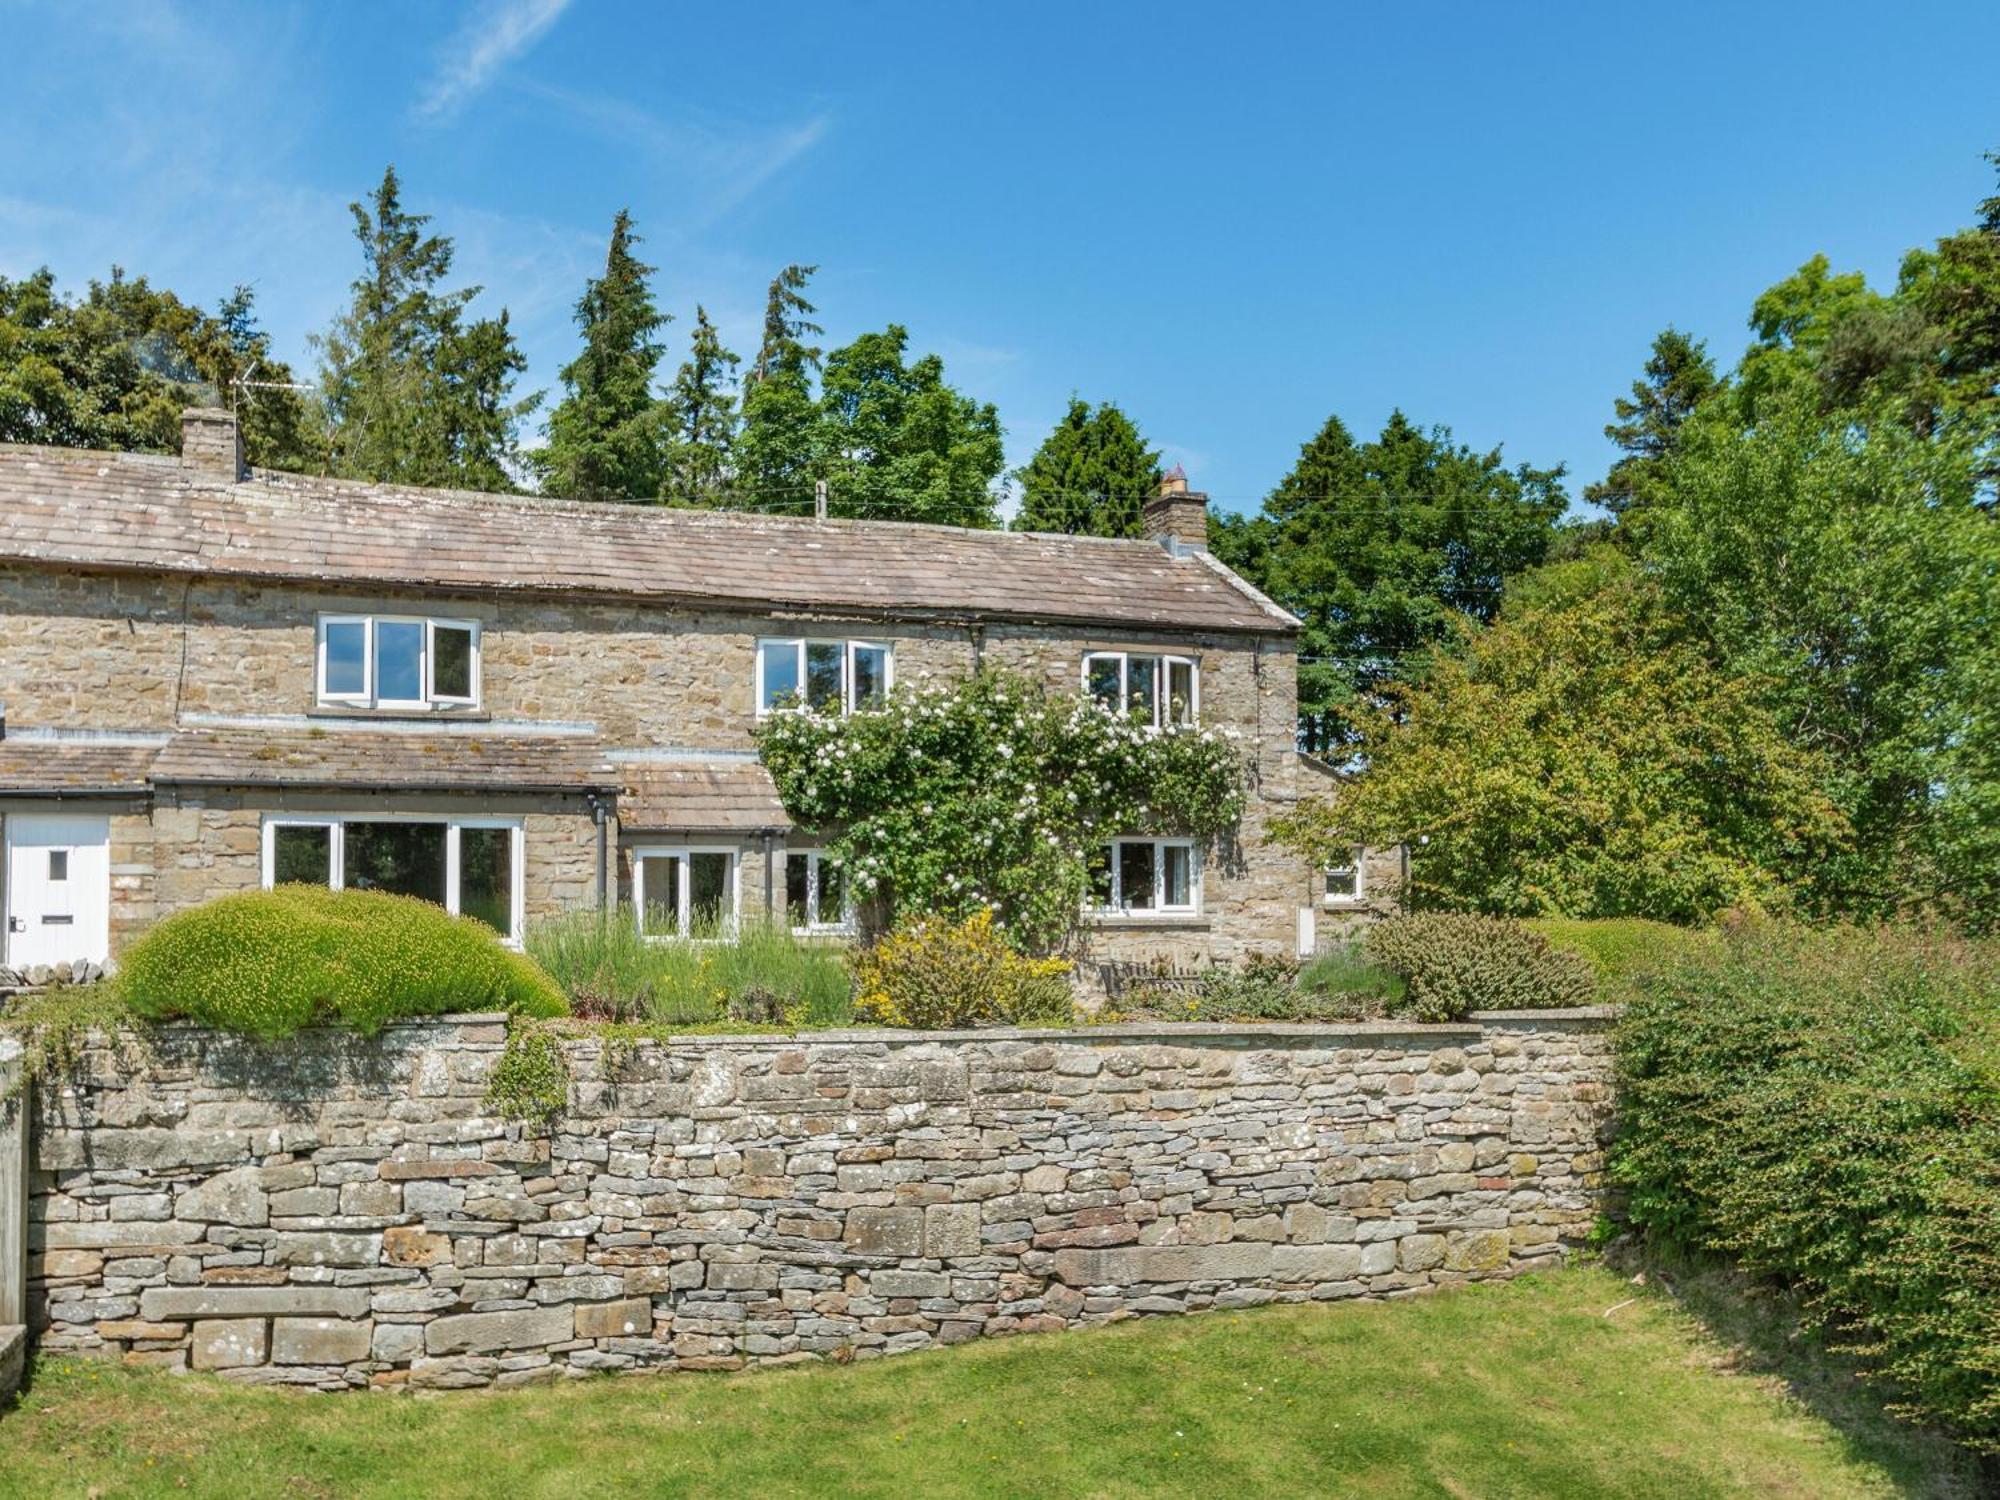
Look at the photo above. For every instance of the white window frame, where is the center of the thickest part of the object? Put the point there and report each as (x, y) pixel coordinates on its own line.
(432, 699)
(336, 857)
(1117, 907)
(798, 643)
(681, 853)
(1163, 674)
(1360, 896)
(812, 927)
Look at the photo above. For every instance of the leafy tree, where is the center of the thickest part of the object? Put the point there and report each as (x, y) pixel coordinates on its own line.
(1379, 548)
(990, 794)
(701, 421)
(1092, 475)
(1583, 757)
(778, 452)
(115, 370)
(1956, 287)
(899, 443)
(414, 393)
(1679, 376)
(605, 434)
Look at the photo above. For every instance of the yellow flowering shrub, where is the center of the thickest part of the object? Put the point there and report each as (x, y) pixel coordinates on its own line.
(933, 974)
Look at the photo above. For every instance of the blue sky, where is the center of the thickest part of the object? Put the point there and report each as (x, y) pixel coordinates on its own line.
(1233, 220)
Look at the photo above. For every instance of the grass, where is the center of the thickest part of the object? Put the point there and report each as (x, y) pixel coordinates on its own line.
(1346, 971)
(761, 974)
(1574, 1383)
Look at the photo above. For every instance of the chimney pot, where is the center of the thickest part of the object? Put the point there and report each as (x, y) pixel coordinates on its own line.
(1177, 517)
(212, 443)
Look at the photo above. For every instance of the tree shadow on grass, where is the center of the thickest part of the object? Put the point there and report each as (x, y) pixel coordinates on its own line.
(1756, 1329)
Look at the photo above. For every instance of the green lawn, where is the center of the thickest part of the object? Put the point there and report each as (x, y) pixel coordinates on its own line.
(1526, 1389)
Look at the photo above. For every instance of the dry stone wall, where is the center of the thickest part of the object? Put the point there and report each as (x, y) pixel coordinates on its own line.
(339, 1211)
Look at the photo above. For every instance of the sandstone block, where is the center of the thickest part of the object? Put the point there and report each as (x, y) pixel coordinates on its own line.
(1420, 1252)
(319, 1341)
(631, 1317)
(166, 1303)
(885, 1231)
(228, 1343)
(326, 1249)
(1477, 1250)
(909, 1284)
(1315, 1262)
(1243, 1261)
(951, 1229)
(397, 1343)
(407, 1245)
(493, 1332)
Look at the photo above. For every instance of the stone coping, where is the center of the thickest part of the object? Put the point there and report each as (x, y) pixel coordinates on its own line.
(1163, 1033)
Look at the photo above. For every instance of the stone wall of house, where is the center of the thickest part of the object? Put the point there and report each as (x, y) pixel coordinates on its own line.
(132, 653)
(338, 1211)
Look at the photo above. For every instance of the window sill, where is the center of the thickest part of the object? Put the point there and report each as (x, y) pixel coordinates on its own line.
(468, 713)
(1137, 921)
(1343, 903)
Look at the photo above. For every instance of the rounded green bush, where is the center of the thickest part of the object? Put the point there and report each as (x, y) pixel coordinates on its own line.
(1458, 962)
(266, 963)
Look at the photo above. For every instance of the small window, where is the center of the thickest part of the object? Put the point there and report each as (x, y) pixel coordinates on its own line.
(302, 854)
(815, 893)
(58, 864)
(836, 677)
(1154, 690)
(1343, 882)
(470, 867)
(373, 661)
(683, 893)
(1147, 876)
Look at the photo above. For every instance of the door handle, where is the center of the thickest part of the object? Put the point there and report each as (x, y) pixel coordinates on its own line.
(17, 924)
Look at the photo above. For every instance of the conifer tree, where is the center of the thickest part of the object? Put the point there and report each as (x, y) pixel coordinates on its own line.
(701, 421)
(779, 451)
(605, 436)
(1091, 476)
(1679, 376)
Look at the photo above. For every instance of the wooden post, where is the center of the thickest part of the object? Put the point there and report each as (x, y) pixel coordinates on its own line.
(819, 499)
(13, 1185)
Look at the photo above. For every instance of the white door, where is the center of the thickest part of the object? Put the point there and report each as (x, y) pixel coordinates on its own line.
(58, 888)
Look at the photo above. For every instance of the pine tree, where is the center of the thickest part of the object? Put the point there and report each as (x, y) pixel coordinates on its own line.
(778, 452)
(1679, 377)
(605, 438)
(1091, 476)
(701, 421)
(413, 393)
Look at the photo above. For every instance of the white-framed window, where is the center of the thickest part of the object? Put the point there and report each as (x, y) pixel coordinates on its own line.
(679, 893)
(398, 661)
(1156, 690)
(1345, 884)
(471, 867)
(1147, 877)
(816, 895)
(830, 676)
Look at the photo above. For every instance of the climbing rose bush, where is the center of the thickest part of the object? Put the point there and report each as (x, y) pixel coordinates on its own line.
(987, 794)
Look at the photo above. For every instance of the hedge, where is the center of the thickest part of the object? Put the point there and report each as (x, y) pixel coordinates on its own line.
(1824, 1108)
(1457, 962)
(266, 963)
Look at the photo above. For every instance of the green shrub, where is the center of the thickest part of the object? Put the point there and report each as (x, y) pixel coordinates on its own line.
(935, 974)
(531, 1080)
(266, 963)
(1824, 1107)
(1457, 962)
(764, 973)
(1346, 972)
(1623, 950)
(1338, 986)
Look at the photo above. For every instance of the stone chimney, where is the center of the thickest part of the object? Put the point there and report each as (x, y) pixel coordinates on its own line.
(1177, 517)
(212, 443)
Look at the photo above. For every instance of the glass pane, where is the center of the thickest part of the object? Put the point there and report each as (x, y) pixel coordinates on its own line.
(1180, 692)
(832, 893)
(660, 895)
(405, 859)
(871, 675)
(486, 877)
(1179, 863)
(59, 864)
(1341, 881)
(399, 661)
(1142, 688)
(1103, 674)
(1100, 877)
(780, 660)
(708, 894)
(302, 856)
(346, 663)
(798, 872)
(451, 668)
(823, 673)
(1135, 876)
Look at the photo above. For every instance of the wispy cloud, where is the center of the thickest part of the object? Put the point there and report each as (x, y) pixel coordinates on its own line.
(491, 38)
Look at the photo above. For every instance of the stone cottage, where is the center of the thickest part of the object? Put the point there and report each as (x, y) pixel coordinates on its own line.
(216, 679)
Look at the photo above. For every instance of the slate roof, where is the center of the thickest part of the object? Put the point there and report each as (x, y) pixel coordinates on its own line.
(144, 512)
(383, 761)
(715, 797)
(73, 767)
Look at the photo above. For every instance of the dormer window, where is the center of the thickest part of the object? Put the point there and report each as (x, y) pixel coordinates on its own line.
(832, 677)
(1155, 690)
(406, 662)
